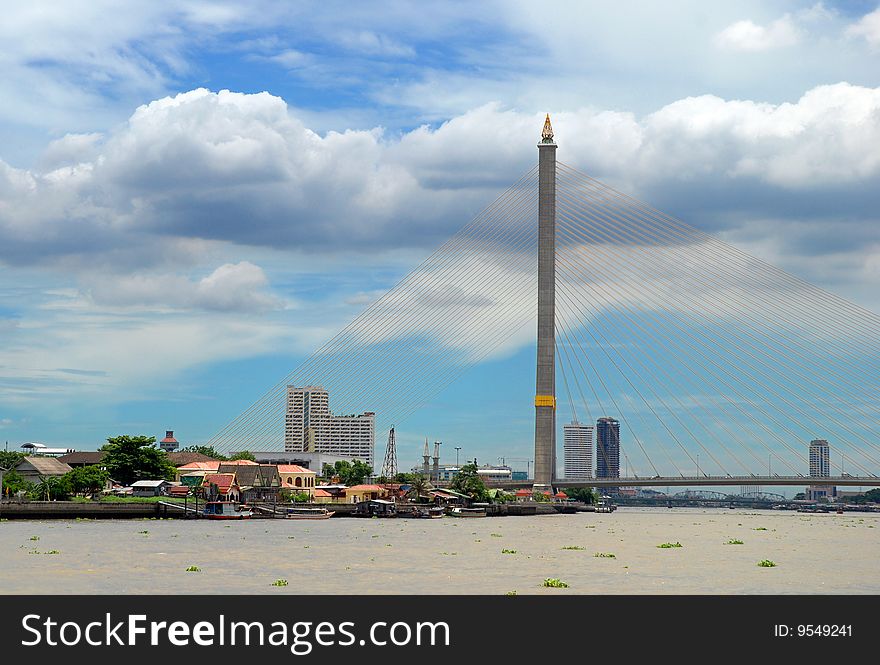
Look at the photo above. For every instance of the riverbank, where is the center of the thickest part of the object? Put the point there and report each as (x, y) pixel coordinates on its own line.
(719, 554)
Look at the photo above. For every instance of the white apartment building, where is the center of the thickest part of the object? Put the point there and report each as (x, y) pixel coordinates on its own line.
(310, 427)
(578, 451)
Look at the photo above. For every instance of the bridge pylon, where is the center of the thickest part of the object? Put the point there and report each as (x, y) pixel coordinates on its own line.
(545, 380)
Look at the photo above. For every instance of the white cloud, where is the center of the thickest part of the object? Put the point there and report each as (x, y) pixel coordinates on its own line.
(240, 287)
(373, 43)
(868, 27)
(746, 35)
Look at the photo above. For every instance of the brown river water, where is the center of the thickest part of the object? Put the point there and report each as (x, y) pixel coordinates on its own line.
(814, 553)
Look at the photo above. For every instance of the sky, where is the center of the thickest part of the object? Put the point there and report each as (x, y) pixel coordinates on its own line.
(194, 196)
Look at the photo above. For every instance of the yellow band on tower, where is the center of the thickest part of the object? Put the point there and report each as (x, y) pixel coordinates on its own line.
(545, 400)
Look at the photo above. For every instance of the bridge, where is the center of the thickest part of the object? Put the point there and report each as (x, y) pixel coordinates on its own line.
(695, 362)
(708, 481)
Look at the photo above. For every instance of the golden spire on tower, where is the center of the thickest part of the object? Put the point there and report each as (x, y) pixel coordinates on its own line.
(547, 132)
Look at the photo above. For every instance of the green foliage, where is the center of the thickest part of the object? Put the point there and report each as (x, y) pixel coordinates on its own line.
(574, 547)
(9, 458)
(766, 563)
(15, 483)
(406, 478)
(468, 481)
(508, 551)
(301, 497)
(87, 479)
(132, 458)
(193, 569)
(555, 583)
(279, 583)
(51, 487)
(761, 528)
(540, 497)
(666, 546)
(419, 485)
(604, 555)
(586, 494)
(734, 541)
(349, 473)
(243, 455)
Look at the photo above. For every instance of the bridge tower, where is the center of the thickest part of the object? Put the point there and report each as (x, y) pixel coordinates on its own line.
(545, 384)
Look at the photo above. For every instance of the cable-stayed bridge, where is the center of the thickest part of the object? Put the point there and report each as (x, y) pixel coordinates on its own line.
(709, 364)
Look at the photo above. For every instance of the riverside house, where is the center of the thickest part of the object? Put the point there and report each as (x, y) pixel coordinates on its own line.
(258, 482)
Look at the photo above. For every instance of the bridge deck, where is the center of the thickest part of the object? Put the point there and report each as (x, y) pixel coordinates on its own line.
(696, 481)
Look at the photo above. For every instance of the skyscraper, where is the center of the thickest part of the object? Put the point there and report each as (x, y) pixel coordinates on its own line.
(608, 449)
(309, 426)
(578, 449)
(820, 467)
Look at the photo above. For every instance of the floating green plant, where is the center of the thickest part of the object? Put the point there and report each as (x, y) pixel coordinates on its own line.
(510, 593)
(574, 547)
(193, 569)
(766, 563)
(555, 583)
(604, 555)
(279, 583)
(52, 552)
(508, 551)
(666, 546)
(761, 528)
(734, 541)
(34, 537)
(495, 535)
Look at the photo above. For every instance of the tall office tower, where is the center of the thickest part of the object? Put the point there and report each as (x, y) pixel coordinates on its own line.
(578, 450)
(608, 450)
(309, 426)
(820, 467)
(307, 421)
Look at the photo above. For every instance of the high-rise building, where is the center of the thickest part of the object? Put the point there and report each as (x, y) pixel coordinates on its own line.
(608, 449)
(820, 467)
(309, 426)
(578, 451)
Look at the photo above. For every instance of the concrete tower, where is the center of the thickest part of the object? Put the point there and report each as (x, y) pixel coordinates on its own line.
(545, 384)
(436, 471)
(426, 469)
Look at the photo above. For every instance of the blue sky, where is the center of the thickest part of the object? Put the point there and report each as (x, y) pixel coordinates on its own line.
(195, 195)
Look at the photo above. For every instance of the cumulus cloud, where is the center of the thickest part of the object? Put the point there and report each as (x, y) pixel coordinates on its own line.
(240, 287)
(746, 35)
(231, 167)
(867, 28)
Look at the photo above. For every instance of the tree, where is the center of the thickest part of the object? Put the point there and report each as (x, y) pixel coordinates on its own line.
(53, 487)
(586, 494)
(9, 458)
(349, 473)
(420, 486)
(208, 451)
(243, 455)
(406, 478)
(468, 481)
(87, 479)
(13, 482)
(132, 458)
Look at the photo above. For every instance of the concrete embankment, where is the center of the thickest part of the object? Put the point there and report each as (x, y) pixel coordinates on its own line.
(140, 510)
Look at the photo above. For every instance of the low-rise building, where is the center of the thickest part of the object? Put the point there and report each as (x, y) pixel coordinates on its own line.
(258, 482)
(358, 493)
(297, 478)
(147, 488)
(221, 487)
(34, 469)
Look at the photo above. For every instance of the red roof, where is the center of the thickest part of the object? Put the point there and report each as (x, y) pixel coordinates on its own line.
(243, 462)
(178, 490)
(365, 488)
(223, 481)
(199, 466)
(322, 493)
(560, 495)
(294, 468)
(523, 493)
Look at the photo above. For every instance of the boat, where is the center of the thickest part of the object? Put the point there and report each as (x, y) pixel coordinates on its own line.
(226, 510)
(467, 512)
(427, 512)
(309, 514)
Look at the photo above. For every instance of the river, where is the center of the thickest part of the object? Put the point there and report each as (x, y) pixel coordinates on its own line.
(813, 553)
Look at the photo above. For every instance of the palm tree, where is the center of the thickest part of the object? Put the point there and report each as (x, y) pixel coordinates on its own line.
(418, 486)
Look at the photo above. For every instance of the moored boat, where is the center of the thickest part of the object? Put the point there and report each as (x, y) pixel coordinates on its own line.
(226, 510)
(467, 512)
(427, 512)
(309, 514)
